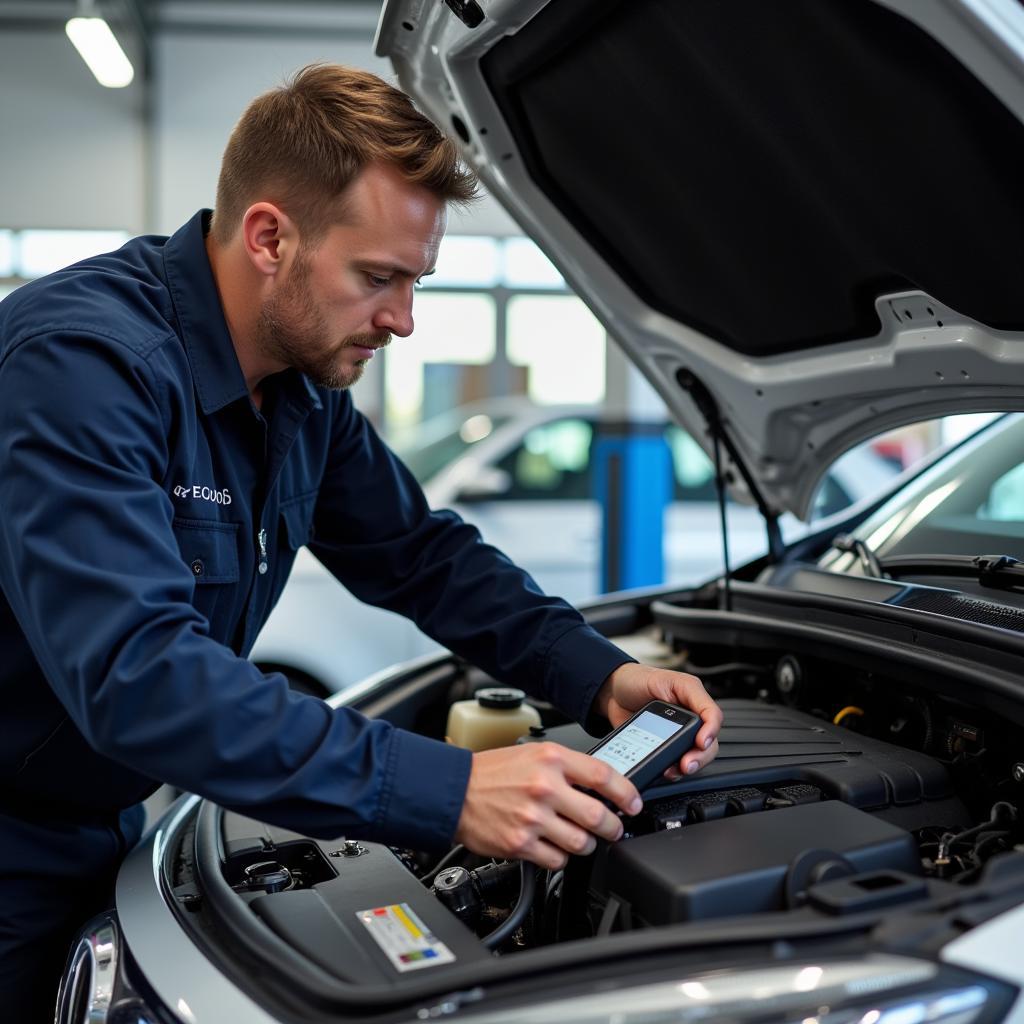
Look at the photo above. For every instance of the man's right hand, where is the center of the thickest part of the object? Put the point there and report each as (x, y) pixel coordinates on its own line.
(522, 802)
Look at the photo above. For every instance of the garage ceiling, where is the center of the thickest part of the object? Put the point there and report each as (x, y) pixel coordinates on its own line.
(232, 17)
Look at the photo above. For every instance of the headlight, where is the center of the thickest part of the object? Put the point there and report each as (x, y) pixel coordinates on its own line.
(875, 990)
(95, 987)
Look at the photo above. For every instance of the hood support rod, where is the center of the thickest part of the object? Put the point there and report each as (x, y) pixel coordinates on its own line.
(708, 408)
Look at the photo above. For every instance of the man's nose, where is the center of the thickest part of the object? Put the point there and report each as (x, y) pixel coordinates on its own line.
(395, 316)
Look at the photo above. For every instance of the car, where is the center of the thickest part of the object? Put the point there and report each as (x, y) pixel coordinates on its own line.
(803, 222)
(526, 475)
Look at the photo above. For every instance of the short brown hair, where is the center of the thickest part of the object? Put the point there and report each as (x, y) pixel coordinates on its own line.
(302, 144)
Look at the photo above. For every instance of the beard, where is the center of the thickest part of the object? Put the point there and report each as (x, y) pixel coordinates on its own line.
(291, 330)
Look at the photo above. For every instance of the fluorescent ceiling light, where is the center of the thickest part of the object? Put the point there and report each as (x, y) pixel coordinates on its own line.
(101, 51)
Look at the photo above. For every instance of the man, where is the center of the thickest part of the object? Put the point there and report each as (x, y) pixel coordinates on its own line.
(175, 426)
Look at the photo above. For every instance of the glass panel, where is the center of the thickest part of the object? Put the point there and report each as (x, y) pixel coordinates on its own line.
(42, 252)
(561, 343)
(527, 267)
(466, 261)
(694, 472)
(967, 503)
(868, 469)
(553, 462)
(452, 329)
(426, 454)
(956, 428)
(1005, 502)
(6, 253)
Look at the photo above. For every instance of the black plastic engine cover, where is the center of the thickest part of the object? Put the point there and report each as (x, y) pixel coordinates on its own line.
(769, 745)
(323, 920)
(738, 865)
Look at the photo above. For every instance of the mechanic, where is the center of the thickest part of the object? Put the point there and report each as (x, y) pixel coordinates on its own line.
(175, 425)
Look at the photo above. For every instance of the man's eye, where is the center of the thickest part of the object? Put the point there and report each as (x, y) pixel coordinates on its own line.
(377, 281)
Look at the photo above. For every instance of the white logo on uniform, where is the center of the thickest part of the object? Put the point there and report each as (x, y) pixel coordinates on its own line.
(203, 494)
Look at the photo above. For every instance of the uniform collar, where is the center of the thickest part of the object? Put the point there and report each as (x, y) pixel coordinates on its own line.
(216, 371)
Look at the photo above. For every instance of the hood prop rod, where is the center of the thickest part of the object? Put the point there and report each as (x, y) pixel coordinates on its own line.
(708, 408)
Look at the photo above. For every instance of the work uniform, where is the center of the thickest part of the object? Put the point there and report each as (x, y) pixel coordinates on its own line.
(149, 516)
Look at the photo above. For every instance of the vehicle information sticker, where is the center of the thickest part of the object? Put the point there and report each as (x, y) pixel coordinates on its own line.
(404, 938)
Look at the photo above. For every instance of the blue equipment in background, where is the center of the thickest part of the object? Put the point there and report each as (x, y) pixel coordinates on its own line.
(633, 484)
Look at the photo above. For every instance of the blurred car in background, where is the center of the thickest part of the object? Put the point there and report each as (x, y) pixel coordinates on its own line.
(526, 476)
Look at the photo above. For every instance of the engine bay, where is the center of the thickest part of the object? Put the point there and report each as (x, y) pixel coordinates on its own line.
(836, 793)
(866, 798)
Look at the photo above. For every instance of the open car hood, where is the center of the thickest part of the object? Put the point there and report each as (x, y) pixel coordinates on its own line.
(805, 218)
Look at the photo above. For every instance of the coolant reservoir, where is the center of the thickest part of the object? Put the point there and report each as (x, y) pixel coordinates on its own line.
(496, 717)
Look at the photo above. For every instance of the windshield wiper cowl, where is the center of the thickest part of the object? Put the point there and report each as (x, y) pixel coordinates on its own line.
(999, 572)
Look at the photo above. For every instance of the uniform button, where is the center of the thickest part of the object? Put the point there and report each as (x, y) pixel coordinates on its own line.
(263, 567)
(198, 568)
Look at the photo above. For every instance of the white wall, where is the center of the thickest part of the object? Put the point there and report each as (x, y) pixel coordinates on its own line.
(72, 153)
(202, 85)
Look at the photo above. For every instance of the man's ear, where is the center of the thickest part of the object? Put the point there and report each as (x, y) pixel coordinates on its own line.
(270, 237)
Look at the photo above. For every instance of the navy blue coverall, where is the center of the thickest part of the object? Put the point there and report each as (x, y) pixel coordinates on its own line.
(139, 490)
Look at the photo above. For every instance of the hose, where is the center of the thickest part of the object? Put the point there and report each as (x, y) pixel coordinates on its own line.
(850, 709)
(1002, 813)
(527, 888)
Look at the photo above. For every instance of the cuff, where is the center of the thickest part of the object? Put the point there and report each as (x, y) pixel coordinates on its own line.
(424, 788)
(576, 665)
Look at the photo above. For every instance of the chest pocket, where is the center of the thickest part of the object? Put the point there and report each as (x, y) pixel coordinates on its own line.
(296, 529)
(210, 550)
(297, 519)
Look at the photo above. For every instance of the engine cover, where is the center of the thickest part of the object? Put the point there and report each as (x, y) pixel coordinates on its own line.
(771, 753)
(747, 864)
(786, 792)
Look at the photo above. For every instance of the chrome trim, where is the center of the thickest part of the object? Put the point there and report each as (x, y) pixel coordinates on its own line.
(993, 949)
(97, 952)
(880, 988)
(384, 679)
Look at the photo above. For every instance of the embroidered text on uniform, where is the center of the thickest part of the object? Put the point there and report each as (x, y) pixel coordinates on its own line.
(204, 493)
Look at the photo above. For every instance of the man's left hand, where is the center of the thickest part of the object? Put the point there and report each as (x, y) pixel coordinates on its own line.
(631, 686)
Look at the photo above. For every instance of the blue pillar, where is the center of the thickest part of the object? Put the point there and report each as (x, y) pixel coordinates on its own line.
(633, 484)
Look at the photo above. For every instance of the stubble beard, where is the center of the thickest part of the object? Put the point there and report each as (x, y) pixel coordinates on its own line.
(291, 330)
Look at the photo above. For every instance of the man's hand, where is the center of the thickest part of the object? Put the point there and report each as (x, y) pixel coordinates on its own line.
(521, 802)
(631, 686)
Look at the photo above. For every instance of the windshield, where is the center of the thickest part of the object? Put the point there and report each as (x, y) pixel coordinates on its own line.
(971, 502)
(426, 452)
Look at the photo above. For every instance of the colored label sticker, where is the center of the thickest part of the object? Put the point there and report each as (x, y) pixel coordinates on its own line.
(403, 938)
